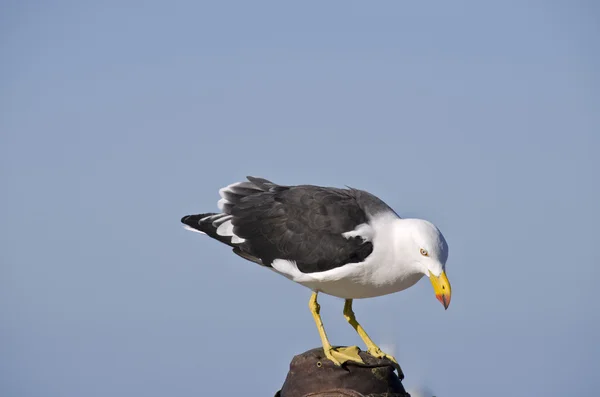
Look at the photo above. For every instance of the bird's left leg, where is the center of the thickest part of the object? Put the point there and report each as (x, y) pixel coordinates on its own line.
(338, 355)
(372, 348)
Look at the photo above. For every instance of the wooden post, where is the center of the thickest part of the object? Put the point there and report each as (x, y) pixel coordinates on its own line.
(311, 374)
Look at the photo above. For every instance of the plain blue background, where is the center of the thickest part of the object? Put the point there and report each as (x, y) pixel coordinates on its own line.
(118, 118)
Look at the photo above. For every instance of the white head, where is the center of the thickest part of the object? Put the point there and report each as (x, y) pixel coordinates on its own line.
(426, 249)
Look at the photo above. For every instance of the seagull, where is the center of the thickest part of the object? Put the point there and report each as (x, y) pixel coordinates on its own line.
(342, 242)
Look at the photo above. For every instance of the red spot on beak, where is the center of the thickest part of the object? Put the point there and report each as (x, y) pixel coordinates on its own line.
(444, 300)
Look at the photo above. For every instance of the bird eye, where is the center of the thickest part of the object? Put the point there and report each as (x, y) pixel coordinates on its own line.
(424, 252)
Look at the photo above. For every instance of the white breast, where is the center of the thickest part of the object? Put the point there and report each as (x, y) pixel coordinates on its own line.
(382, 273)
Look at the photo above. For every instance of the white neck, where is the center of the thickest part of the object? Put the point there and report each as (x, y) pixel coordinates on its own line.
(394, 245)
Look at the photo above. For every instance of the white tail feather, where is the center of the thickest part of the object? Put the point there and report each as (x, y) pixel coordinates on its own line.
(221, 203)
(191, 229)
(220, 221)
(237, 240)
(225, 229)
(211, 217)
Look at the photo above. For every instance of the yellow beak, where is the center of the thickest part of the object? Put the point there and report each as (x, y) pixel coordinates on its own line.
(441, 287)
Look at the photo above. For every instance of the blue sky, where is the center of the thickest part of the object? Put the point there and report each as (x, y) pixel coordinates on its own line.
(117, 118)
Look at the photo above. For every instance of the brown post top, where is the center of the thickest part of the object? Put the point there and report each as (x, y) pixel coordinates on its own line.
(311, 374)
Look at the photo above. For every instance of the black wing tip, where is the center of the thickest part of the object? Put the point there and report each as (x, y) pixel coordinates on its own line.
(193, 220)
(255, 179)
(259, 180)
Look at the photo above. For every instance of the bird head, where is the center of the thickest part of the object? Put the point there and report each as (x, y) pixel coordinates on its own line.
(429, 252)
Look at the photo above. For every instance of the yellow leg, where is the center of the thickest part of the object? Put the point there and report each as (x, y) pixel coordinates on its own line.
(339, 355)
(372, 348)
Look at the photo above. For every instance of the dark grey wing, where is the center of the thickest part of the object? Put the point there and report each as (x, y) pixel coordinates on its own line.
(300, 223)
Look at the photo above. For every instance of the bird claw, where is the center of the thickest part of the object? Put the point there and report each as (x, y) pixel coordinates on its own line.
(341, 355)
(377, 353)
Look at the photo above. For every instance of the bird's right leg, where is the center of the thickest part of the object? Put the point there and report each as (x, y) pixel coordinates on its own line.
(338, 355)
(373, 349)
